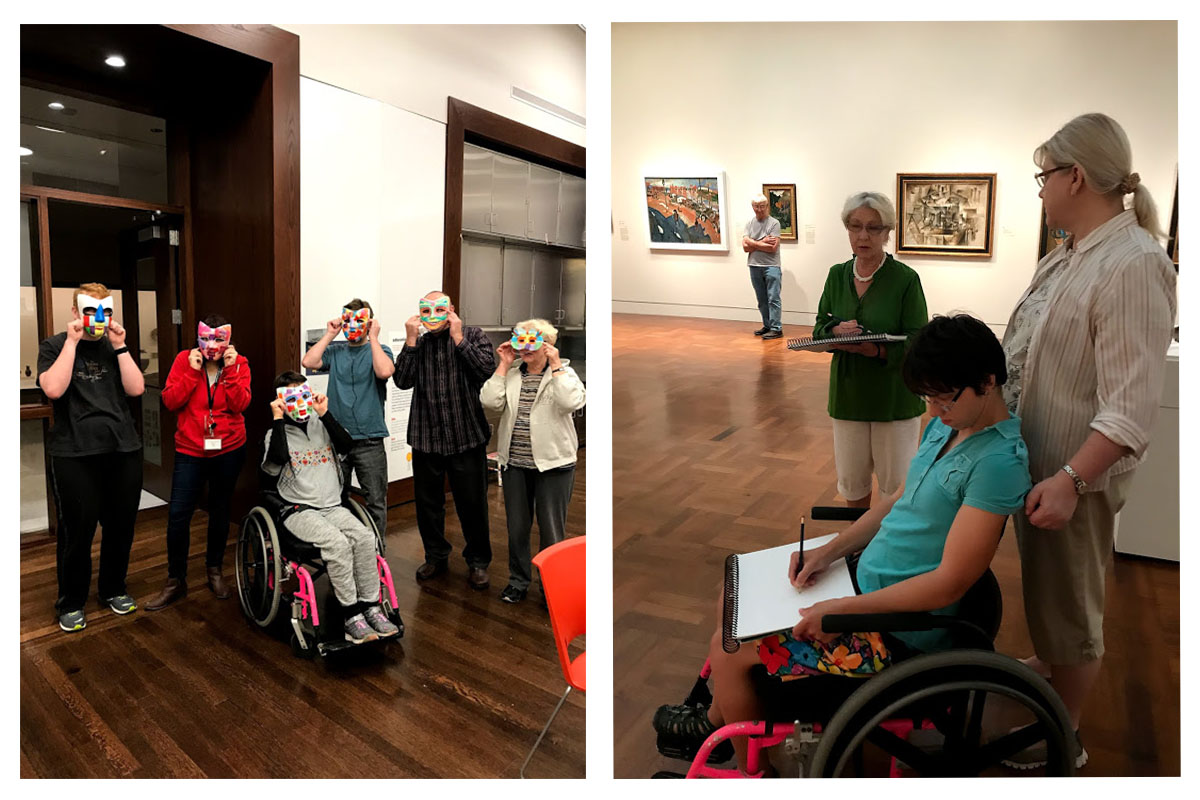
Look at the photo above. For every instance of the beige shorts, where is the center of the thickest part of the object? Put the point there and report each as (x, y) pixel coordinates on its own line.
(882, 448)
(1063, 576)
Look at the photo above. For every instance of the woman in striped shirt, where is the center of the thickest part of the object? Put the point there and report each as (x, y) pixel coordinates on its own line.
(1086, 350)
(537, 442)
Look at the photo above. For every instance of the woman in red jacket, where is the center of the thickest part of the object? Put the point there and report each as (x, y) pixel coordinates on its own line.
(209, 388)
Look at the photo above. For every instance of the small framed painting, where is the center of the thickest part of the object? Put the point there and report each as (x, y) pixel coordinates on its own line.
(686, 213)
(945, 214)
(1173, 231)
(781, 204)
(1049, 239)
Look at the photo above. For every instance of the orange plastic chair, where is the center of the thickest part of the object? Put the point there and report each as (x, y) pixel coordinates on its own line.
(562, 567)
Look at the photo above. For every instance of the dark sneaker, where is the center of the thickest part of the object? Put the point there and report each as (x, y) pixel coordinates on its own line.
(1034, 757)
(683, 729)
(379, 621)
(773, 335)
(121, 604)
(358, 631)
(72, 621)
(761, 331)
(512, 594)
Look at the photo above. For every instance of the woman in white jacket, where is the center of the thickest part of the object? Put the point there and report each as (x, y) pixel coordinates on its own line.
(537, 443)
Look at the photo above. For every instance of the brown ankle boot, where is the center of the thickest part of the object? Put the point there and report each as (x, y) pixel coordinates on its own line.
(217, 583)
(175, 589)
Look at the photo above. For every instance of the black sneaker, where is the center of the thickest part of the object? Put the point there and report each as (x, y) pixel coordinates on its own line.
(761, 331)
(1034, 757)
(512, 594)
(683, 729)
(773, 335)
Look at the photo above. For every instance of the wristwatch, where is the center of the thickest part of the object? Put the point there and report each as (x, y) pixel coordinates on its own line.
(1080, 483)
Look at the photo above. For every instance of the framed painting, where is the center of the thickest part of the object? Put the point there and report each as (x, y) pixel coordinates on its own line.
(1173, 230)
(781, 202)
(1049, 239)
(945, 214)
(686, 213)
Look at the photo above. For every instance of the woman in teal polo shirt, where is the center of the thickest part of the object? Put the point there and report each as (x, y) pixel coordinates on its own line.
(876, 419)
(922, 548)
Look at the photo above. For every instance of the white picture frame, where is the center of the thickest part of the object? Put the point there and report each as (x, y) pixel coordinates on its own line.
(686, 210)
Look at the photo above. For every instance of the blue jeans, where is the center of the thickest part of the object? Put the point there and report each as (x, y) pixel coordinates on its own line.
(220, 472)
(766, 282)
(368, 459)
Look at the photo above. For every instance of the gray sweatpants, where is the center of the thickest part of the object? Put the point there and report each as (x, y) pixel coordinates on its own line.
(347, 547)
(526, 492)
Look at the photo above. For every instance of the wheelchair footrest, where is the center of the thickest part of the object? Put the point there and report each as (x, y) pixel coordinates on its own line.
(672, 747)
(666, 774)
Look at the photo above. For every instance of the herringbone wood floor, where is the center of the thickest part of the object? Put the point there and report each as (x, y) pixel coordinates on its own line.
(722, 443)
(196, 691)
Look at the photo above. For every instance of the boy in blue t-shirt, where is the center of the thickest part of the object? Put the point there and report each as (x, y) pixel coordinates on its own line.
(359, 369)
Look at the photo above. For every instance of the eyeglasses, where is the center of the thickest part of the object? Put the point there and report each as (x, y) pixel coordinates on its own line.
(1041, 176)
(874, 230)
(945, 408)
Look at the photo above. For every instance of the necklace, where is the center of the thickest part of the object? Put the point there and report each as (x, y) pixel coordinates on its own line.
(868, 278)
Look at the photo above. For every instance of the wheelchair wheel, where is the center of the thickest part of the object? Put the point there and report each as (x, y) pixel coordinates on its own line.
(307, 652)
(954, 690)
(259, 567)
(364, 516)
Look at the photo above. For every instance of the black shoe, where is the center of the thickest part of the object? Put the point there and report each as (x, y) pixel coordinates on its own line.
(431, 569)
(683, 729)
(773, 335)
(512, 594)
(761, 331)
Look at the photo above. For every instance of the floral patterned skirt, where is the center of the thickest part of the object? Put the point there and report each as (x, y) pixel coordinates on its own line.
(854, 655)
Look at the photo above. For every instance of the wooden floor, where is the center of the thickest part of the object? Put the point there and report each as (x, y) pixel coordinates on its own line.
(723, 444)
(195, 691)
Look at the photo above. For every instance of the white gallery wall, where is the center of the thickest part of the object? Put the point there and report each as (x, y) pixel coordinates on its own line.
(373, 145)
(837, 108)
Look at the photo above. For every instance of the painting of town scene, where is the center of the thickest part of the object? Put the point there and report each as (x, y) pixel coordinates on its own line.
(946, 214)
(781, 200)
(685, 213)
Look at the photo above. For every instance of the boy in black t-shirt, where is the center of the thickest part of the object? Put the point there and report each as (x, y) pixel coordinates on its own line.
(95, 452)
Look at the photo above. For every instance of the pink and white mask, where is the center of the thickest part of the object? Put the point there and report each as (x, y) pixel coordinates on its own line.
(356, 324)
(297, 400)
(213, 342)
(95, 313)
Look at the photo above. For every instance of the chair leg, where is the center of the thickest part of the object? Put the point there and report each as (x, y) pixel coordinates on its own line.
(561, 700)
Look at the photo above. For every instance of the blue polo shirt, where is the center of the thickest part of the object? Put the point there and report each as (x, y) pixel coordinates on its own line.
(988, 471)
(356, 396)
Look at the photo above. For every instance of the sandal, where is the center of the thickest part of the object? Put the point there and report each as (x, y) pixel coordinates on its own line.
(683, 729)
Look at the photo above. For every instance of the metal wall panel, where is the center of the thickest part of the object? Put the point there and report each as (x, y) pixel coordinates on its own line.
(482, 267)
(477, 188)
(543, 203)
(518, 283)
(547, 286)
(572, 202)
(510, 195)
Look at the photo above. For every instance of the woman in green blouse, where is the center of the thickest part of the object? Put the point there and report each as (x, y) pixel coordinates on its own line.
(876, 419)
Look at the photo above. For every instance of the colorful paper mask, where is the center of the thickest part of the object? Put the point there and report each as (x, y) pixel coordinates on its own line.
(356, 324)
(434, 313)
(523, 339)
(213, 342)
(297, 400)
(96, 314)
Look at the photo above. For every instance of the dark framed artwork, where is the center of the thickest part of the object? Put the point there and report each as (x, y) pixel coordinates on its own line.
(945, 214)
(1049, 239)
(1173, 231)
(781, 203)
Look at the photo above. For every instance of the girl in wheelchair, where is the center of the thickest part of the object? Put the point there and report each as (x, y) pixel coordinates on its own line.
(302, 450)
(922, 548)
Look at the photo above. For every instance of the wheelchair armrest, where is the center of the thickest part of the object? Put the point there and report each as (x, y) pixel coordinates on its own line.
(837, 513)
(907, 621)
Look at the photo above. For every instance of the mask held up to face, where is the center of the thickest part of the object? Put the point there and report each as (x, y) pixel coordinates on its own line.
(213, 342)
(96, 314)
(356, 323)
(435, 313)
(297, 400)
(523, 339)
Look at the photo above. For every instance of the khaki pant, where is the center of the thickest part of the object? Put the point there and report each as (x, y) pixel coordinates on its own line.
(1063, 576)
(884, 448)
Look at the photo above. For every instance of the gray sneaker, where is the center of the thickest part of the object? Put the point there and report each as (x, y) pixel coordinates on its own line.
(72, 621)
(1034, 757)
(379, 621)
(358, 631)
(121, 604)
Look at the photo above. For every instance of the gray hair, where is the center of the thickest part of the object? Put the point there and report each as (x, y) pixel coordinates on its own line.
(758, 198)
(549, 332)
(875, 201)
(1098, 145)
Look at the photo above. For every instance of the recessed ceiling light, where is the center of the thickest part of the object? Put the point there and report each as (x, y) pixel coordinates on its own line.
(103, 152)
(25, 151)
(115, 61)
(44, 128)
(57, 106)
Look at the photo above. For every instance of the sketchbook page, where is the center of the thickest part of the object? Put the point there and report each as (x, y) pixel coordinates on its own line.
(767, 601)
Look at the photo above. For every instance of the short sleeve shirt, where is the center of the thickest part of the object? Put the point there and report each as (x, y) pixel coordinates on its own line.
(92, 416)
(989, 471)
(760, 230)
(356, 396)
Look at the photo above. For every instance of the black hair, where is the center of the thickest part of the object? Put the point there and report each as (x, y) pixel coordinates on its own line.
(952, 353)
(215, 321)
(288, 378)
(356, 304)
